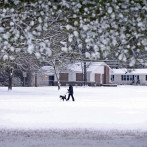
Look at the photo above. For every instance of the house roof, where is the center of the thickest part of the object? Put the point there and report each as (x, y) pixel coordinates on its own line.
(129, 71)
(47, 70)
(95, 67)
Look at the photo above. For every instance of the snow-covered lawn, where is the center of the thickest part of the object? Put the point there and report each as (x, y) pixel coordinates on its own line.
(95, 108)
(123, 107)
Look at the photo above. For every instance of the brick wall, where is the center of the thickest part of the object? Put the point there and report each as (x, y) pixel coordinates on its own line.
(97, 78)
(79, 77)
(106, 75)
(76, 83)
(63, 76)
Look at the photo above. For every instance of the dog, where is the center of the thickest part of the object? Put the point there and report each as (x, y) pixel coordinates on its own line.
(63, 97)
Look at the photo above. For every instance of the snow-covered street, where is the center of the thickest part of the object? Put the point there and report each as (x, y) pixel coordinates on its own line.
(72, 138)
(109, 110)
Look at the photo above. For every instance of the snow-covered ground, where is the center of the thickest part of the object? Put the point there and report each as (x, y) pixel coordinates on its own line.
(105, 109)
(123, 107)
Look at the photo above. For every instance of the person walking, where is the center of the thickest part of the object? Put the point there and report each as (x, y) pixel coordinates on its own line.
(70, 93)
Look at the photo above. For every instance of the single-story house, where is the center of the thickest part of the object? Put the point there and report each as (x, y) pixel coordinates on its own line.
(129, 76)
(98, 73)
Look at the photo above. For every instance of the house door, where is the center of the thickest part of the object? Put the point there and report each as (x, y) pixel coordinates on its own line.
(51, 80)
(137, 79)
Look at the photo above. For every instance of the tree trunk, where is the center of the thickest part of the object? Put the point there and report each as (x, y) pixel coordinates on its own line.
(58, 81)
(36, 84)
(55, 71)
(10, 79)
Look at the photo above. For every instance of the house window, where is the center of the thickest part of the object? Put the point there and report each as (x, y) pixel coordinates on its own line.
(112, 77)
(128, 77)
(123, 77)
(131, 77)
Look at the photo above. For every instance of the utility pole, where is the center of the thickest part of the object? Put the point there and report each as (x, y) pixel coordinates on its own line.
(85, 73)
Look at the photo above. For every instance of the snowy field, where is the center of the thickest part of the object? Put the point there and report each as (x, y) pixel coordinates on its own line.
(100, 116)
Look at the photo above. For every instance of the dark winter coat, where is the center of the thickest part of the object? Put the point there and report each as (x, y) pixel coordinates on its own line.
(70, 90)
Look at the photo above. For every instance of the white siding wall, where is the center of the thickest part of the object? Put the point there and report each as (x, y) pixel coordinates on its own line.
(72, 76)
(88, 76)
(117, 80)
(143, 79)
(92, 77)
(41, 80)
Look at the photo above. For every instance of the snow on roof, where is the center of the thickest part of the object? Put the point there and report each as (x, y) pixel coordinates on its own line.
(95, 67)
(129, 71)
(47, 70)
